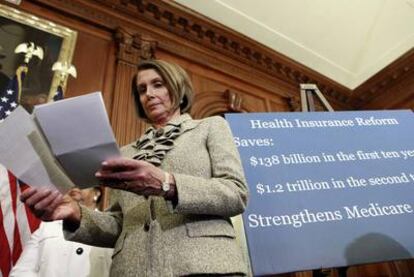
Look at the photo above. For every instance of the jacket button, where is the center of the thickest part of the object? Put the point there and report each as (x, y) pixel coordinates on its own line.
(79, 251)
(146, 227)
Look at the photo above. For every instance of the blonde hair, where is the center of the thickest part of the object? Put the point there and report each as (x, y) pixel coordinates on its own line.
(176, 80)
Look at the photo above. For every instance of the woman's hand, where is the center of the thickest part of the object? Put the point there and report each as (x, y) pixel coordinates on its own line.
(139, 177)
(49, 205)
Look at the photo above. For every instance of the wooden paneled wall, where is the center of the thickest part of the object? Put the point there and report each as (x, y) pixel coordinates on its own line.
(110, 44)
(230, 73)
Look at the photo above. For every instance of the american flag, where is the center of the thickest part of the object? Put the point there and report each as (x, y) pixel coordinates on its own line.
(9, 97)
(16, 221)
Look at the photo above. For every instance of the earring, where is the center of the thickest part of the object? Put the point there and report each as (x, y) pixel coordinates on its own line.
(95, 198)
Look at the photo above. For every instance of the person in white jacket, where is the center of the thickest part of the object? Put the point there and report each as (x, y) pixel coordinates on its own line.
(48, 254)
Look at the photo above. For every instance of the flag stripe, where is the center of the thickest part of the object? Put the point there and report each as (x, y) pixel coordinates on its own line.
(33, 221)
(5, 260)
(17, 222)
(7, 227)
(6, 205)
(21, 218)
(17, 243)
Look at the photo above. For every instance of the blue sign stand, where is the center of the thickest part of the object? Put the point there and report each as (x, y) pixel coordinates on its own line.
(308, 105)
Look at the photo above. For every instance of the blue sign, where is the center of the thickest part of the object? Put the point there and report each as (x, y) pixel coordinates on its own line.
(327, 189)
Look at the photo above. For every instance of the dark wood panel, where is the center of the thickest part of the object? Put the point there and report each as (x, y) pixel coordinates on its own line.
(91, 60)
(283, 105)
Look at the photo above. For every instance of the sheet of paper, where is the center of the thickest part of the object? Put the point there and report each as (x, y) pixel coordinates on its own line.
(25, 153)
(79, 134)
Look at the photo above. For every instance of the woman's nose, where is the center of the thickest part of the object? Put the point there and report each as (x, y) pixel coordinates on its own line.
(149, 92)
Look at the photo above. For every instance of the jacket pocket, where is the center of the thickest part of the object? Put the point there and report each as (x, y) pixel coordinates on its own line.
(210, 228)
(119, 244)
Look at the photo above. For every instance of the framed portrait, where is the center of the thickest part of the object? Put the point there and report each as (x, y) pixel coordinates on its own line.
(56, 42)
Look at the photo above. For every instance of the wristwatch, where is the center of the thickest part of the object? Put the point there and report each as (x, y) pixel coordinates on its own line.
(166, 184)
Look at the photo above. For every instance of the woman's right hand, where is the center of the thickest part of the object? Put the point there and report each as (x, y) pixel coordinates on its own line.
(49, 205)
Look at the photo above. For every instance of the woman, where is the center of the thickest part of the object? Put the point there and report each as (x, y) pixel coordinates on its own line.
(47, 253)
(179, 184)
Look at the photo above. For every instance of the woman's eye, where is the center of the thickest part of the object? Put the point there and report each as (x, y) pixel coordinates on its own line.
(141, 90)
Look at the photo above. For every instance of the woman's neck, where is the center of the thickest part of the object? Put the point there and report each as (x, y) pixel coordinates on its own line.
(162, 122)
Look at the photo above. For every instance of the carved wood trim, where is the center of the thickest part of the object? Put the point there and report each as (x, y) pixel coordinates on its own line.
(294, 104)
(217, 102)
(170, 17)
(235, 101)
(131, 48)
(180, 21)
(383, 81)
(127, 50)
(161, 18)
(399, 95)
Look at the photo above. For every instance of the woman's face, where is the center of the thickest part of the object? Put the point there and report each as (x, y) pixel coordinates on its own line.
(154, 96)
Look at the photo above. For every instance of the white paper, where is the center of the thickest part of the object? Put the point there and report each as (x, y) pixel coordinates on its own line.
(24, 152)
(79, 135)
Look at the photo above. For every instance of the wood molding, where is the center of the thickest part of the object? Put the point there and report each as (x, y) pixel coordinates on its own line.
(179, 22)
(128, 51)
(161, 18)
(209, 103)
(381, 84)
(234, 101)
(131, 49)
(193, 27)
(219, 102)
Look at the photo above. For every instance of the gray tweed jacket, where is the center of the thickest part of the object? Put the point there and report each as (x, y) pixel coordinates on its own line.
(152, 237)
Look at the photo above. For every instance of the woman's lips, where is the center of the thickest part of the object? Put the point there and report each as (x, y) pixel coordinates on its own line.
(152, 106)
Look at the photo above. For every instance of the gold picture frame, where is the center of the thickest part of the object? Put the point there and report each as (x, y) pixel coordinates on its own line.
(58, 44)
